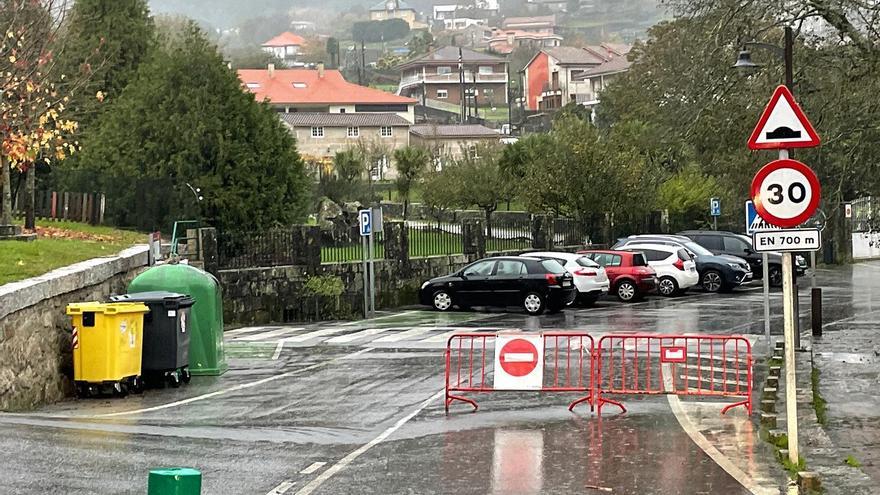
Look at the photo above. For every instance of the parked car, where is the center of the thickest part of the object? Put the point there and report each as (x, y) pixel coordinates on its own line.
(590, 279)
(717, 273)
(721, 242)
(676, 269)
(629, 275)
(533, 284)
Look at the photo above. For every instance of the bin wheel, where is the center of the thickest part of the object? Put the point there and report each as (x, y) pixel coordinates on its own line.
(137, 385)
(185, 375)
(120, 389)
(174, 379)
(92, 390)
(82, 390)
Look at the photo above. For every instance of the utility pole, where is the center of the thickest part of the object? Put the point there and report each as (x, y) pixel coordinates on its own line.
(476, 108)
(363, 62)
(461, 93)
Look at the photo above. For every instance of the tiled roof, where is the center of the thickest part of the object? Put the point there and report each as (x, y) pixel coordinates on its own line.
(453, 131)
(324, 119)
(285, 39)
(401, 5)
(521, 21)
(305, 86)
(616, 64)
(569, 55)
(449, 54)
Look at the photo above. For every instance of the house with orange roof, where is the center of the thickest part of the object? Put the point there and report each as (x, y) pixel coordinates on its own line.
(328, 114)
(286, 46)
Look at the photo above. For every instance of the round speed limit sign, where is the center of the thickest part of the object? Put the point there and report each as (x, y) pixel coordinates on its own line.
(786, 193)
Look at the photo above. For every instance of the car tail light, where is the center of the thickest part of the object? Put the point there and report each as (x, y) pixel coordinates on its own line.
(679, 264)
(551, 279)
(586, 273)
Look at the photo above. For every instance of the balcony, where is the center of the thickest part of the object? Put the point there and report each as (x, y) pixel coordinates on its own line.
(452, 78)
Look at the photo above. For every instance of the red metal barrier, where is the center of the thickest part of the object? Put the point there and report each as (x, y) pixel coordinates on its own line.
(691, 365)
(566, 362)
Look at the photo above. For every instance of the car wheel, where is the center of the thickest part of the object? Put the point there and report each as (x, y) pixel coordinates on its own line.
(775, 276)
(712, 281)
(442, 301)
(667, 286)
(626, 291)
(533, 303)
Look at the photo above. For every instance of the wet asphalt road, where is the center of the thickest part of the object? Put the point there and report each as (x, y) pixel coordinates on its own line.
(354, 408)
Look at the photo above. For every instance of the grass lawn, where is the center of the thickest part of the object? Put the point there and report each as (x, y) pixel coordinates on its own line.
(60, 244)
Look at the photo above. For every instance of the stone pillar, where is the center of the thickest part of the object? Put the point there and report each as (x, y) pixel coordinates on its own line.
(473, 238)
(208, 254)
(396, 239)
(542, 232)
(306, 246)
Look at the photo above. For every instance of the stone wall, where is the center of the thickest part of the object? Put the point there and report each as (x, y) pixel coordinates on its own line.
(36, 364)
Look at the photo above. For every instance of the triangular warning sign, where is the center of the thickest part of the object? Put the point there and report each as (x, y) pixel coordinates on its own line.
(783, 125)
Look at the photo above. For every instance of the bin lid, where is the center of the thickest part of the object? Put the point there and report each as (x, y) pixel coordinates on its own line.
(106, 308)
(171, 300)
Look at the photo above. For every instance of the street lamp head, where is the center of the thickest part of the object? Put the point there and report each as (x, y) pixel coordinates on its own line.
(744, 61)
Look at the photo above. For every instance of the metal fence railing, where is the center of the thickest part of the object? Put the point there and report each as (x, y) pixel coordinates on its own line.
(433, 238)
(568, 232)
(350, 248)
(508, 235)
(252, 249)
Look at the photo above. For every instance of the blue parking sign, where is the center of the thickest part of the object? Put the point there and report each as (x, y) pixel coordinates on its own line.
(715, 207)
(365, 220)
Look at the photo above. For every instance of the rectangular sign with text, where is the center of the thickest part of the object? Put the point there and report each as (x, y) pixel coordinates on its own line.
(787, 240)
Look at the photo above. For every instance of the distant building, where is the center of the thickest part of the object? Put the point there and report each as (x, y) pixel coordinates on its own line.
(452, 141)
(286, 46)
(395, 9)
(557, 76)
(506, 41)
(460, 23)
(538, 24)
(552, 5)
(328, 114)
(435, 76)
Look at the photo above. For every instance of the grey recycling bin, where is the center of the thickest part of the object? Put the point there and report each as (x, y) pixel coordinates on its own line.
(166, 335)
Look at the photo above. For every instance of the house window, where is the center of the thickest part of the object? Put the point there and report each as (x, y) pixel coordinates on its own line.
(299, 85)
(472, 152)
(317, 132)
(486, 69)
(442, 94)
(354, 132)
(385, 131)
(253, 85)
(444, 70)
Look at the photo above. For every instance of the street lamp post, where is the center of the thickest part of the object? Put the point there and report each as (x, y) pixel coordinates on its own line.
(791, 314)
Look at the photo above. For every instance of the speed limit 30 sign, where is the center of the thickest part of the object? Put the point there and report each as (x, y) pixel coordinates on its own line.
(786, 192)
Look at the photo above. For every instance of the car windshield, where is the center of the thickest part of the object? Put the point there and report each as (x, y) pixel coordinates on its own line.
(697, 249)
(745, 238)
(587, 262)
(553, 266)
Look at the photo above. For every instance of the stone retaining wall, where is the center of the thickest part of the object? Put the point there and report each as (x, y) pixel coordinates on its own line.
(35, 333)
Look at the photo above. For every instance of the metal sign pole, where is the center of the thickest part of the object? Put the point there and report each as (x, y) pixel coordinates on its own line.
(812, 269)
(366, 277)
(766, 270)
(788, 308)
(372, 277)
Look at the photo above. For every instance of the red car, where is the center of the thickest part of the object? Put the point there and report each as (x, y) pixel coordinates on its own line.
(628, 272)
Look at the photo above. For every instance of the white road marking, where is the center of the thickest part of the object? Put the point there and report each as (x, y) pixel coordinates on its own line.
(221, 392)
(278, 350)
(282, 488)
(270, 335)
(443, 337)
(397, 337)
(314, 467)
(345, 461)
(244, 330)
(313, 335)
(723, 462)
(383, 317)
(344, 339)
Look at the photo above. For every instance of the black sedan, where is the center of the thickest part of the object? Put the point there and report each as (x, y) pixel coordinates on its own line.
(533, 284)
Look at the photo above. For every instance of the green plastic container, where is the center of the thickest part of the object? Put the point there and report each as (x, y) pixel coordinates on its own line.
(206, 355)
(174, 481)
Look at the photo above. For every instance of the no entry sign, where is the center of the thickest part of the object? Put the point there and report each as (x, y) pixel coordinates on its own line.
(519, 362)
(786, 192)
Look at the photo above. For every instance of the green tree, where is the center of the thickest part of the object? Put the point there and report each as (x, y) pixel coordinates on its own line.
(251, 58)
(686, 196)
(440, 193)
(185, 119)
(480, 180)
(122, 31)
(411, 164)
(346, 182)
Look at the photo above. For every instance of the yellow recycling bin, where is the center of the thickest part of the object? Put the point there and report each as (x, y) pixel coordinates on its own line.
(107, 347)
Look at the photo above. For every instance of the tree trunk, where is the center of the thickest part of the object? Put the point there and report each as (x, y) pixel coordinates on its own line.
(6, 180)
(488, 222)
(29, 193)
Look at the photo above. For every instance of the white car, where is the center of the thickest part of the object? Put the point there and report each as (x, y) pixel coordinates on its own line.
(676, 269)
(590, 278)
